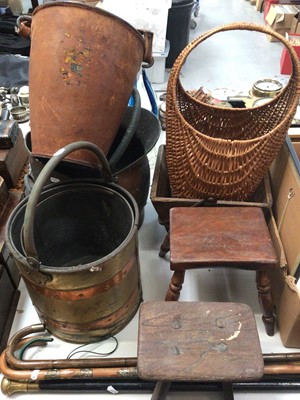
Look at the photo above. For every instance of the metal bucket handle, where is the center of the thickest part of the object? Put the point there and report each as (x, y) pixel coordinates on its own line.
(28, 236)
(148, 42)
(24, 26)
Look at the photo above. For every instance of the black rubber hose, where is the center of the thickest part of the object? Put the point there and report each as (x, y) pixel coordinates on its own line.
(130, 131)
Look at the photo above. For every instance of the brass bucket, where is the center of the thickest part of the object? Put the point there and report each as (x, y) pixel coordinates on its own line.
(75, 245)
(83, 65)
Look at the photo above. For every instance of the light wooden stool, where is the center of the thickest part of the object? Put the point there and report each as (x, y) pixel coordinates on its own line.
(232, 237)
(194, 341)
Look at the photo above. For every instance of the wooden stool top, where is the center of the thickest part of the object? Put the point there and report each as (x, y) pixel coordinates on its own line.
(220, 236)
(194, 341)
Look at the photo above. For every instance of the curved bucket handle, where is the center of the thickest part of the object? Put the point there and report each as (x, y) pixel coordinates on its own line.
(24, 26)
(28, 236)
(148, 42)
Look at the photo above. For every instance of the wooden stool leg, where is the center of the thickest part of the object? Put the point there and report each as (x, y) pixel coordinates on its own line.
(165, 247)
(175, 286)
(265, 299)
(161, 390)
(228, 391)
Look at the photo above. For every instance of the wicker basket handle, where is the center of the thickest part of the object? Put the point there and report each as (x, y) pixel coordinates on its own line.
(174, 74)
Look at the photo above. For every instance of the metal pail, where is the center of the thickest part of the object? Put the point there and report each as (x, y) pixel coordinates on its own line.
(83, 65)
(132, 172)
(75, 245)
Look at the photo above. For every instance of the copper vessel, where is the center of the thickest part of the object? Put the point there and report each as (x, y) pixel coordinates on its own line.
(75, 245)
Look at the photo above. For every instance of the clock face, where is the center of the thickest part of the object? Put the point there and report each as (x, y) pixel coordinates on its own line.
(267, 86)
(222, 94)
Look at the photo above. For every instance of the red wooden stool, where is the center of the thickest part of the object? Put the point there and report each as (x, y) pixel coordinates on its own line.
(233, 237)
(194, 341)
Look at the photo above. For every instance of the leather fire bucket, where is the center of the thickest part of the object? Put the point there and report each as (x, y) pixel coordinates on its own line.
(75, 245)
(83, 65)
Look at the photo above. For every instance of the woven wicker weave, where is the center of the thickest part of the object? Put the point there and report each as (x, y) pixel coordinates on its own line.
(224, 152)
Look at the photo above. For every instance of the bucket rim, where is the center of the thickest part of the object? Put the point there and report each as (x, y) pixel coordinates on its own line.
(148, 146)
(96, 10)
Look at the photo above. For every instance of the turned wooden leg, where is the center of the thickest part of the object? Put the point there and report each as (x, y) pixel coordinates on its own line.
(165, 247)
(175, 286)
(263, 284)
(161, 390)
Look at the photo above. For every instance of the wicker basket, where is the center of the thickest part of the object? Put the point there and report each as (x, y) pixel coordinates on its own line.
(224, 152)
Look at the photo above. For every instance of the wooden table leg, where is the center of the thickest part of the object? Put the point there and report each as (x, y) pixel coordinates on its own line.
(161, 390)
(175, 286)
(263, 284)
(165, 247)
